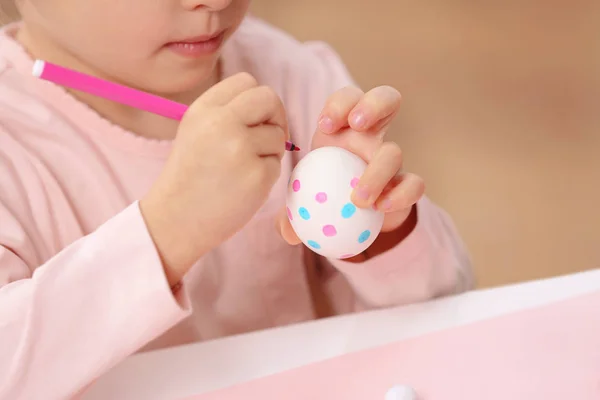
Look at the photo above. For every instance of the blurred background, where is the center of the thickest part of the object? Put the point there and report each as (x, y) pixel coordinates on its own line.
(8, 11)
(501, 115)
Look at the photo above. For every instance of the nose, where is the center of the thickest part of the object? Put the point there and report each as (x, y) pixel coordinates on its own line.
(212, 5)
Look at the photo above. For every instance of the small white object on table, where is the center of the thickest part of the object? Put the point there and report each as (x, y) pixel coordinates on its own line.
(199, 368)
(400, 392)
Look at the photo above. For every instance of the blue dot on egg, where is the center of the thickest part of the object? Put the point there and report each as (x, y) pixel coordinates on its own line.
(304, 214)
(363, 237)
(314, 244)
(348, 210)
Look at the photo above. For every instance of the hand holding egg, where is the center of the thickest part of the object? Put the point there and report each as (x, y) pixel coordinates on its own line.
(358, 122)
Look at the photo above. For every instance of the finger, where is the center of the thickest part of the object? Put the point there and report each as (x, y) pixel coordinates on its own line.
(379, 104)
(407, 192)
(226, 90)
(271, 170)
(337, 108)
(260, 105)
(381, 126)
(284, 227)
(384, 166)
(398, 219)
(268, 140)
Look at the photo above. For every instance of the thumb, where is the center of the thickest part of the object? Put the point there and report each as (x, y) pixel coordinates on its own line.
(285, 229)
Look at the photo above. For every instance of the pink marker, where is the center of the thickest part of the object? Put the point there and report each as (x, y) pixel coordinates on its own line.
(115, 92)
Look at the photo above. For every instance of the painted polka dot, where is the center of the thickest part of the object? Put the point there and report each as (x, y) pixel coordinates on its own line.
(304, 214)
(363, 237)
(348, 210)
(296, 185)
(354, 182)
(314, 244)
(289, 213)
(321, 197)
(329, 230)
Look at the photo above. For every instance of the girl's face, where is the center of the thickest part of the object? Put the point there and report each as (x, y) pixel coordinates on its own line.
(162, 46)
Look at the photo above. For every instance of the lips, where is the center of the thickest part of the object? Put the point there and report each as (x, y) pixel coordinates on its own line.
(197, 46)
(199, 38)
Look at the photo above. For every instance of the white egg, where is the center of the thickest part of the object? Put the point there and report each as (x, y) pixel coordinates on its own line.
(319, 205)
(400, 392)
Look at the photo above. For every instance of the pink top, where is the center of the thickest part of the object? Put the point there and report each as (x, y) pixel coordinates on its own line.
(81, 284)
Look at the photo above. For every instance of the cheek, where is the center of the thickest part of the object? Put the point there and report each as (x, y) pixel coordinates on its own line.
(103, 28)
(237, 11)
(120, 48)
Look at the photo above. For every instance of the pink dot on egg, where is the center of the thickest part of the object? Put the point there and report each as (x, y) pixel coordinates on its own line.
(329, 230)
(289, 213)
(296, 185)
(321, 197)
(354, 182)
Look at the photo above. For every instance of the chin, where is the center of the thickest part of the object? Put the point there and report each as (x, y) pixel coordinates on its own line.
(184, 84)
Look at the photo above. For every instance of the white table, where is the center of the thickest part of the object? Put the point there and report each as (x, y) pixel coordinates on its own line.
(187, 370)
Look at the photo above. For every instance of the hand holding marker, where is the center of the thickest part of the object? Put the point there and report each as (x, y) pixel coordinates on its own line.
(115, 92)
(235, 133)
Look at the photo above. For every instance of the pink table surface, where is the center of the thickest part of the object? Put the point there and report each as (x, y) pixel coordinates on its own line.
(198, 368)
(546, 353)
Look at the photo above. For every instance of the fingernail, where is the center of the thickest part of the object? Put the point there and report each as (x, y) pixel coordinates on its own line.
(358, 120)
(326, 124)
(386, 205)
(362, 192)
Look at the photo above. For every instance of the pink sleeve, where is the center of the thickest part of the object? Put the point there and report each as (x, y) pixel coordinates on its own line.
(81, 312)
(432, 261)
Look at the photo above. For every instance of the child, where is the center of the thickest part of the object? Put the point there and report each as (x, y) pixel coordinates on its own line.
(122, 231)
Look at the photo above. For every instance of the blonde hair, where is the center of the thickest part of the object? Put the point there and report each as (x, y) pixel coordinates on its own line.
(8, 11)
